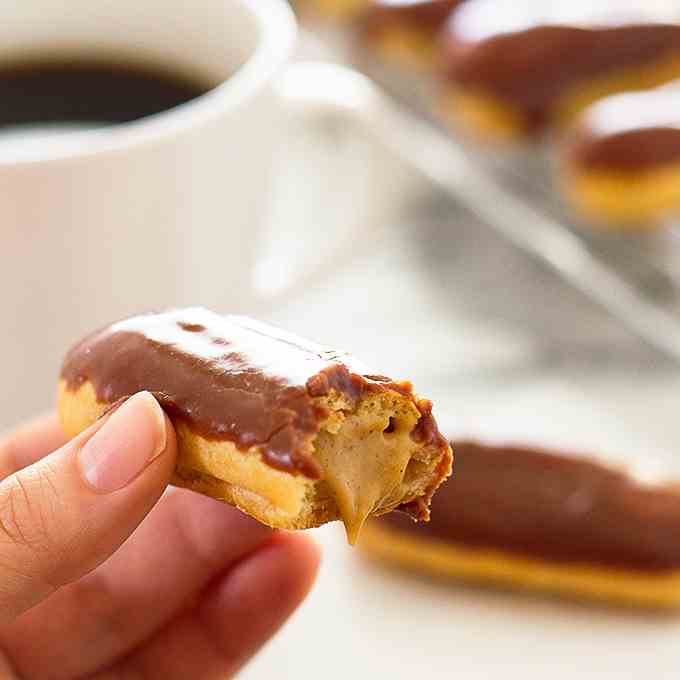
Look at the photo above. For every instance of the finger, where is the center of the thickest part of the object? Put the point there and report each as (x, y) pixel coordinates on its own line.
(185, 542)
(235, 617)
(29, 443)
(67, 513)
(7, 672)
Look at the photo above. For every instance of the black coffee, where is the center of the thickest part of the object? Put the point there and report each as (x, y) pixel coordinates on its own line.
(48, 92)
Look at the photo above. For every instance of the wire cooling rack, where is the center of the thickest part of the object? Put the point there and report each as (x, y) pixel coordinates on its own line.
(634, 276)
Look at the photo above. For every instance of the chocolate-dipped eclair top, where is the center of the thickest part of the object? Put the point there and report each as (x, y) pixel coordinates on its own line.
(552, 506)
(634, 131)
(231, 378)
(529, 55)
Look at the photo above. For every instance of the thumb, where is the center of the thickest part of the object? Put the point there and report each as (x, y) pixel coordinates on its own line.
(67, 513)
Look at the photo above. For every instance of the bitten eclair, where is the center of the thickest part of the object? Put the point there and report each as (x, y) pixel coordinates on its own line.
(515, 69)
(405, 32)
(292, 433)
(547, 521)
(620, 164)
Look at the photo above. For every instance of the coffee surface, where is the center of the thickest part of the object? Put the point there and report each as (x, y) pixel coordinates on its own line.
(50, 91)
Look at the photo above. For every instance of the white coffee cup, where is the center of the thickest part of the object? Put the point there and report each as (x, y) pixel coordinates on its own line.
(167, 210)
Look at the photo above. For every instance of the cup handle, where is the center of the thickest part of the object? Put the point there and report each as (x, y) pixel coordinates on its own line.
(337, 187)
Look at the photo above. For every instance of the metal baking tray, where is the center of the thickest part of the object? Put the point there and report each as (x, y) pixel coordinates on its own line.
(635, 276)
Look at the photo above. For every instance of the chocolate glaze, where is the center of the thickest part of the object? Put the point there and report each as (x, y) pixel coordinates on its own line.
(426, 15)
(529, 57)
(552, 506)
(231, 378)
(628, 132)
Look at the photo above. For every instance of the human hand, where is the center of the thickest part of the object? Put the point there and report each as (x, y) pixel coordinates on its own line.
(104, 576)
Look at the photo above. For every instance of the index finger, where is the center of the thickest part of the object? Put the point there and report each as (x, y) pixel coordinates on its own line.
(29, 443)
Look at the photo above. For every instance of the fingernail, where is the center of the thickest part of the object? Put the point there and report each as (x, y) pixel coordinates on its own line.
(129, 440)
(113, 408)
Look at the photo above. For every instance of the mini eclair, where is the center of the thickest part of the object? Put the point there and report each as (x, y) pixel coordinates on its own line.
(330, 10)
(292, 433)
(405, 32)
(620, 164)
(545, 521)
(514, 70)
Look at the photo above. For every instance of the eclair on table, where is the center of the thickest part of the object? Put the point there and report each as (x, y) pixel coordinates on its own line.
(544, 520)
